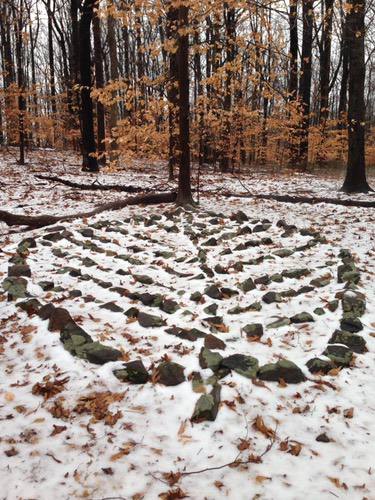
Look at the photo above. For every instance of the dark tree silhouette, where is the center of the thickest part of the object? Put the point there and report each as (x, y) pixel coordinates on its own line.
(355, 180)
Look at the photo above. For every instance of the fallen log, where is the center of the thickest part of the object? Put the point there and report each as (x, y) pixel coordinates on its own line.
(304, 199)
(95, 186)
(37, 221)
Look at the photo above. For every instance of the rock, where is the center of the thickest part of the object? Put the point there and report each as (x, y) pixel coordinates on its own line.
(132, 312)
(73, 335)
(332, 305)
(209, 359)
(16, 287)
(283, 369)
(317, 365)
(261, 227)
(25, 244)
(263, 280)
(253, 330)
(219, 269)
(279, 323)
(97, 353)
(169, 306)
(215, 323)
(353, 305)
(207, 406)
(239, 217)
(211, 309)
(246, 366)
(271, 297)
(213, 342)
(142, 278)
(133, 372)
(111, 306)
(339, 354)
(87, 232)
(211, 242)
(20, 270)
(323, 438)
(277, 278)
(58, 319)
(214, 292)
(170, 373)
(192, 335)
(46, 311)
(355, 342)
(348, 273)
(228, 292)
(320, 282)
(289, 293)
(352, 325)
(149, 320)
(303, 317)
(319, 311)
(296, 273)
(247, 285)
(283, 252)
(31, 306)
(304, 289)
(196, 297)
(46, 286)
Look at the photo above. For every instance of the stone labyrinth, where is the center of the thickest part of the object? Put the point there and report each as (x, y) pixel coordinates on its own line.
(194, 296)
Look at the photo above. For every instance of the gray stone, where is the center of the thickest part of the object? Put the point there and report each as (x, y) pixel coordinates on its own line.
(271, 297)
(170, 373)
(317, 365)
(207, 406)
(210, 359)
(246, 366)
(353, 305)
(112, 306)
(279, 323)
(97, 353)
(133, 372)
(355, 342)
(283, 369)
(150, 321)
(16, 287)
(350, 324)
(253, 330)
(31, 306)
(339, 354)
(213, 292)
(20, 270)
(303, 317)
(247, 285)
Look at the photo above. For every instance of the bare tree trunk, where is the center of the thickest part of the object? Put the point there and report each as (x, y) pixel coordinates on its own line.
(18, 18)
(184, 195)
(355, 180)
(114, 73)
(90, 162)
(99, 80)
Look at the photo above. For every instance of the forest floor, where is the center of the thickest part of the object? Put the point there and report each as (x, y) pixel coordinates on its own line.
(184, 293)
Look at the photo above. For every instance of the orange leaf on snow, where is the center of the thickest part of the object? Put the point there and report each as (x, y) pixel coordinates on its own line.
(259, 425)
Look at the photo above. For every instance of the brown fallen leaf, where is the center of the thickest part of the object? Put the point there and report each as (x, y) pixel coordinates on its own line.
(57, 429)
(259, 425)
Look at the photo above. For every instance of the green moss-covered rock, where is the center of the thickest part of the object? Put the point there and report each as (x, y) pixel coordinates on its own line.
(214, 292)
(31, 306)
(283, 369)
(303, 317)
(170, 373)
(319, 311)
(16, 287)
(97, 353)
(247, 285)
(149, 320)
(317, 365)
(271, 297)
(355, 342)
(207, 406)
(339, 354)
(253, 330)
(296, 273)
(192, 334)
(169, 306)
(246, 366)
(210, 359)
(279, 323)
(351, 324)
(112, 306)
(353, 305)
(133, 372)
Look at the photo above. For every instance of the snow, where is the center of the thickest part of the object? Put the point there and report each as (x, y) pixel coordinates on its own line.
(154, 436)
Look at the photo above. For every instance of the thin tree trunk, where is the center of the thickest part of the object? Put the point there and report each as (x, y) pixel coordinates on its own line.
(99, 80)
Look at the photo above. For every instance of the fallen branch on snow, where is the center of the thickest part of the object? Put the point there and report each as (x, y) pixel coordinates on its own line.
(36, 221)
(304, 199)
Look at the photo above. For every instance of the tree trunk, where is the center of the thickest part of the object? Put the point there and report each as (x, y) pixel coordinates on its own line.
(293, 78)
(172, 92)
(114, 73)
(90, 162)
(305, 80)
(355, 180)
(184, 196)
(18, 17)
(99, 80)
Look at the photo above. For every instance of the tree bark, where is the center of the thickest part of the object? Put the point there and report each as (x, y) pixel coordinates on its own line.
(184, 195)
(355, 180)
(90, 162)
(99, 80)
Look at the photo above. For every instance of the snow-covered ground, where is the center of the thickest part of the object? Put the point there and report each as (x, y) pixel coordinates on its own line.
(144, 445)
